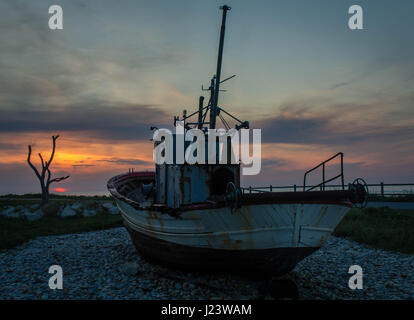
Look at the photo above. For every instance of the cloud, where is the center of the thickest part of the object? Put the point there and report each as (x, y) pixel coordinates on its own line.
(50, 82)
(96, 120)
(47, 69)
(82, 165)
(343, 124)
(10, 147)
(124, 161)
(273, 163)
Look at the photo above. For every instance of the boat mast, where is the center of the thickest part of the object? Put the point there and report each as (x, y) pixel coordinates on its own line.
(214, 90)
(213, 109)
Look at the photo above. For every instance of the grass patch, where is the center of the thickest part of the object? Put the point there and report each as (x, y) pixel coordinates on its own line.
(28, 202)
(52, 196)
(400, 198)
(36, 198)
(14, 232)
(383, 228)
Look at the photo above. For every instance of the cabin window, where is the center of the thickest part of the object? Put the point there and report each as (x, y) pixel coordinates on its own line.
(219, 180)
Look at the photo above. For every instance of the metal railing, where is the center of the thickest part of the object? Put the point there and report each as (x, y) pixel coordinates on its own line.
(324, 182)
(377, 189)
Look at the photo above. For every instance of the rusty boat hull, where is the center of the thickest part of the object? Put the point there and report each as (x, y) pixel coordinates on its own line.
(258, 238)
(252, 262)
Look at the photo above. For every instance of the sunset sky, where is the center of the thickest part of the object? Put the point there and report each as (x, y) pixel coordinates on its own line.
(311, 84)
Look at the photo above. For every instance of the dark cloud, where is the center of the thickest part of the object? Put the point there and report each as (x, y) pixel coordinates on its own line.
(127, 161)
(10, 147)
(82, 165)
(341, 84)
(273, 163)
(339, 124)
(97, 120)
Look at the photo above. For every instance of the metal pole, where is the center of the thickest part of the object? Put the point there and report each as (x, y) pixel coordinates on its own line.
(342, 171)
(200, 112)
(213, 111)
(323, 177)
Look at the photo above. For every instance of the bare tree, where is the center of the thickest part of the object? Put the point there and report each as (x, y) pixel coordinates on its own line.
(45, 182)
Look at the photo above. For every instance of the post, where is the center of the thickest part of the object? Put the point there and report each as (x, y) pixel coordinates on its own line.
(294, 187)
(200, 112)
(382, 190)
(213, 111)
(342, 171)
(271, 188)
(323, 176)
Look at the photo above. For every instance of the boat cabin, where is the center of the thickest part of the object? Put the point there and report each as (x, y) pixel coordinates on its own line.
(184, 184)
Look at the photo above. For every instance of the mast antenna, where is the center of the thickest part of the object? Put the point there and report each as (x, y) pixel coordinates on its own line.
(213, 110)
(214, 89)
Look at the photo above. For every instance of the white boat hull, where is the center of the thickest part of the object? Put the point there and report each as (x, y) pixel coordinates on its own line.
(250, 227)
(271, 238)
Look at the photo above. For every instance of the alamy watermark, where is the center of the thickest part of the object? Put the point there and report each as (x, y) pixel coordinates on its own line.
(56, 18)
(355, 22)
(355, 281)
(56, 280)
(213, 151)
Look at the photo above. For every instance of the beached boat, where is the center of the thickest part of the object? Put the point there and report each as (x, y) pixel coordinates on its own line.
(196, 216)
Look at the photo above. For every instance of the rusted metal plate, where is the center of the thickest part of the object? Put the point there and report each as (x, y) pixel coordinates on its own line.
(160, 183)
(178, 185)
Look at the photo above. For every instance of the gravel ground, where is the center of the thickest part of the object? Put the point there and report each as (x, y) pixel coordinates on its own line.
(324, 274)
(105, 265)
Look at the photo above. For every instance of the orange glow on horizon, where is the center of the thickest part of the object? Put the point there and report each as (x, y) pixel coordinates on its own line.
(75, 153)
(90, 162)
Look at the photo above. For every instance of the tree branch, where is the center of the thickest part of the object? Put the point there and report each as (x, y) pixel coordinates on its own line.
(54, 138)
(30, 164)
(48, 175)
(41, 160)
(57, 179)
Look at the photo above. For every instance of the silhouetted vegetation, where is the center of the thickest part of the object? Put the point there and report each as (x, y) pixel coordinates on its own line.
(398, 198)
(383, 228)
(14, 232)
(51, 196)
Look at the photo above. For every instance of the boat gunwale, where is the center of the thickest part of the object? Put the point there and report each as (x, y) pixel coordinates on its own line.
(111, 185)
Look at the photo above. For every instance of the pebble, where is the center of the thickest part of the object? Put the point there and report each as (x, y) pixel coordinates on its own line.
(33, 216)
(89, 213)
(113, 210)
(105, 265)
(67, 212)
(77, 206)
(108, 205)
